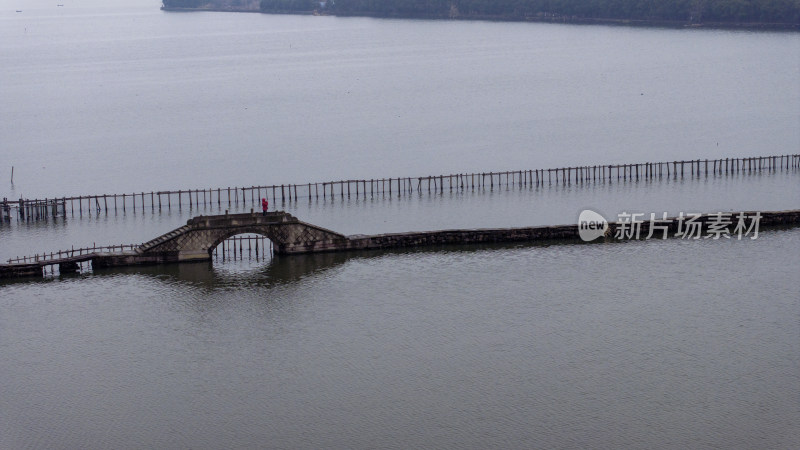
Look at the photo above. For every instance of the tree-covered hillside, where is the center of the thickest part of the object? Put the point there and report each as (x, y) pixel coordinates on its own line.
(764, 11)
(688, 11)
(233, 5)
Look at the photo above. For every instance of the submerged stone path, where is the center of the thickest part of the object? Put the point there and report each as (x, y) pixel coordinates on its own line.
(196, 240)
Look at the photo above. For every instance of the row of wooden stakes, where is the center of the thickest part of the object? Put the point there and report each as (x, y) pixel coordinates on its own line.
(240, 247)
(234, 196)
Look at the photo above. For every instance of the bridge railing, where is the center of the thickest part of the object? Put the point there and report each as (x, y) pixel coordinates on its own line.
(72, 253)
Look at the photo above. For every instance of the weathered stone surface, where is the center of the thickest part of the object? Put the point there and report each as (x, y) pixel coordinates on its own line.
(20, 270)
(68, 267)
(468, 236)
(202, 234)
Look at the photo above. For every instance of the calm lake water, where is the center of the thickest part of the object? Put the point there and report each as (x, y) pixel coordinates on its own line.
(660, 344)
(122, 98)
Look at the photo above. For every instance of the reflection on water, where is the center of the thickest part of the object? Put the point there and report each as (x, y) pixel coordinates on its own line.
(276, 270)
(213, 275)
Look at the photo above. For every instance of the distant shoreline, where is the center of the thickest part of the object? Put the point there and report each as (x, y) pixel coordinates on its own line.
(557, 19)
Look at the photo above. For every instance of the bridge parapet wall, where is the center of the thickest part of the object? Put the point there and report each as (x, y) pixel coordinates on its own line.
(239, 220)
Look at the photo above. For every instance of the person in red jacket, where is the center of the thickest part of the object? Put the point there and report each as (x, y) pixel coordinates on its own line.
(264, 206)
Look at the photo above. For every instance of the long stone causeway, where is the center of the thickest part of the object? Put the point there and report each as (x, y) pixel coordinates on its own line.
(196, 240)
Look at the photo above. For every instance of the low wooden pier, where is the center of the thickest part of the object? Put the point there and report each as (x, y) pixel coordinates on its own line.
(246, 196)
(80, 259)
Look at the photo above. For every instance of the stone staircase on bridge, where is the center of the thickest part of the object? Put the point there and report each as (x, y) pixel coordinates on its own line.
(149, 245)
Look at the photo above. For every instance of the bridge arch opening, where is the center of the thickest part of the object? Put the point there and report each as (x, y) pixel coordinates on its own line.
(242, 247)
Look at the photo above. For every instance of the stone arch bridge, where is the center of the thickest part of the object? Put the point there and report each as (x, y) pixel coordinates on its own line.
(198, 238)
